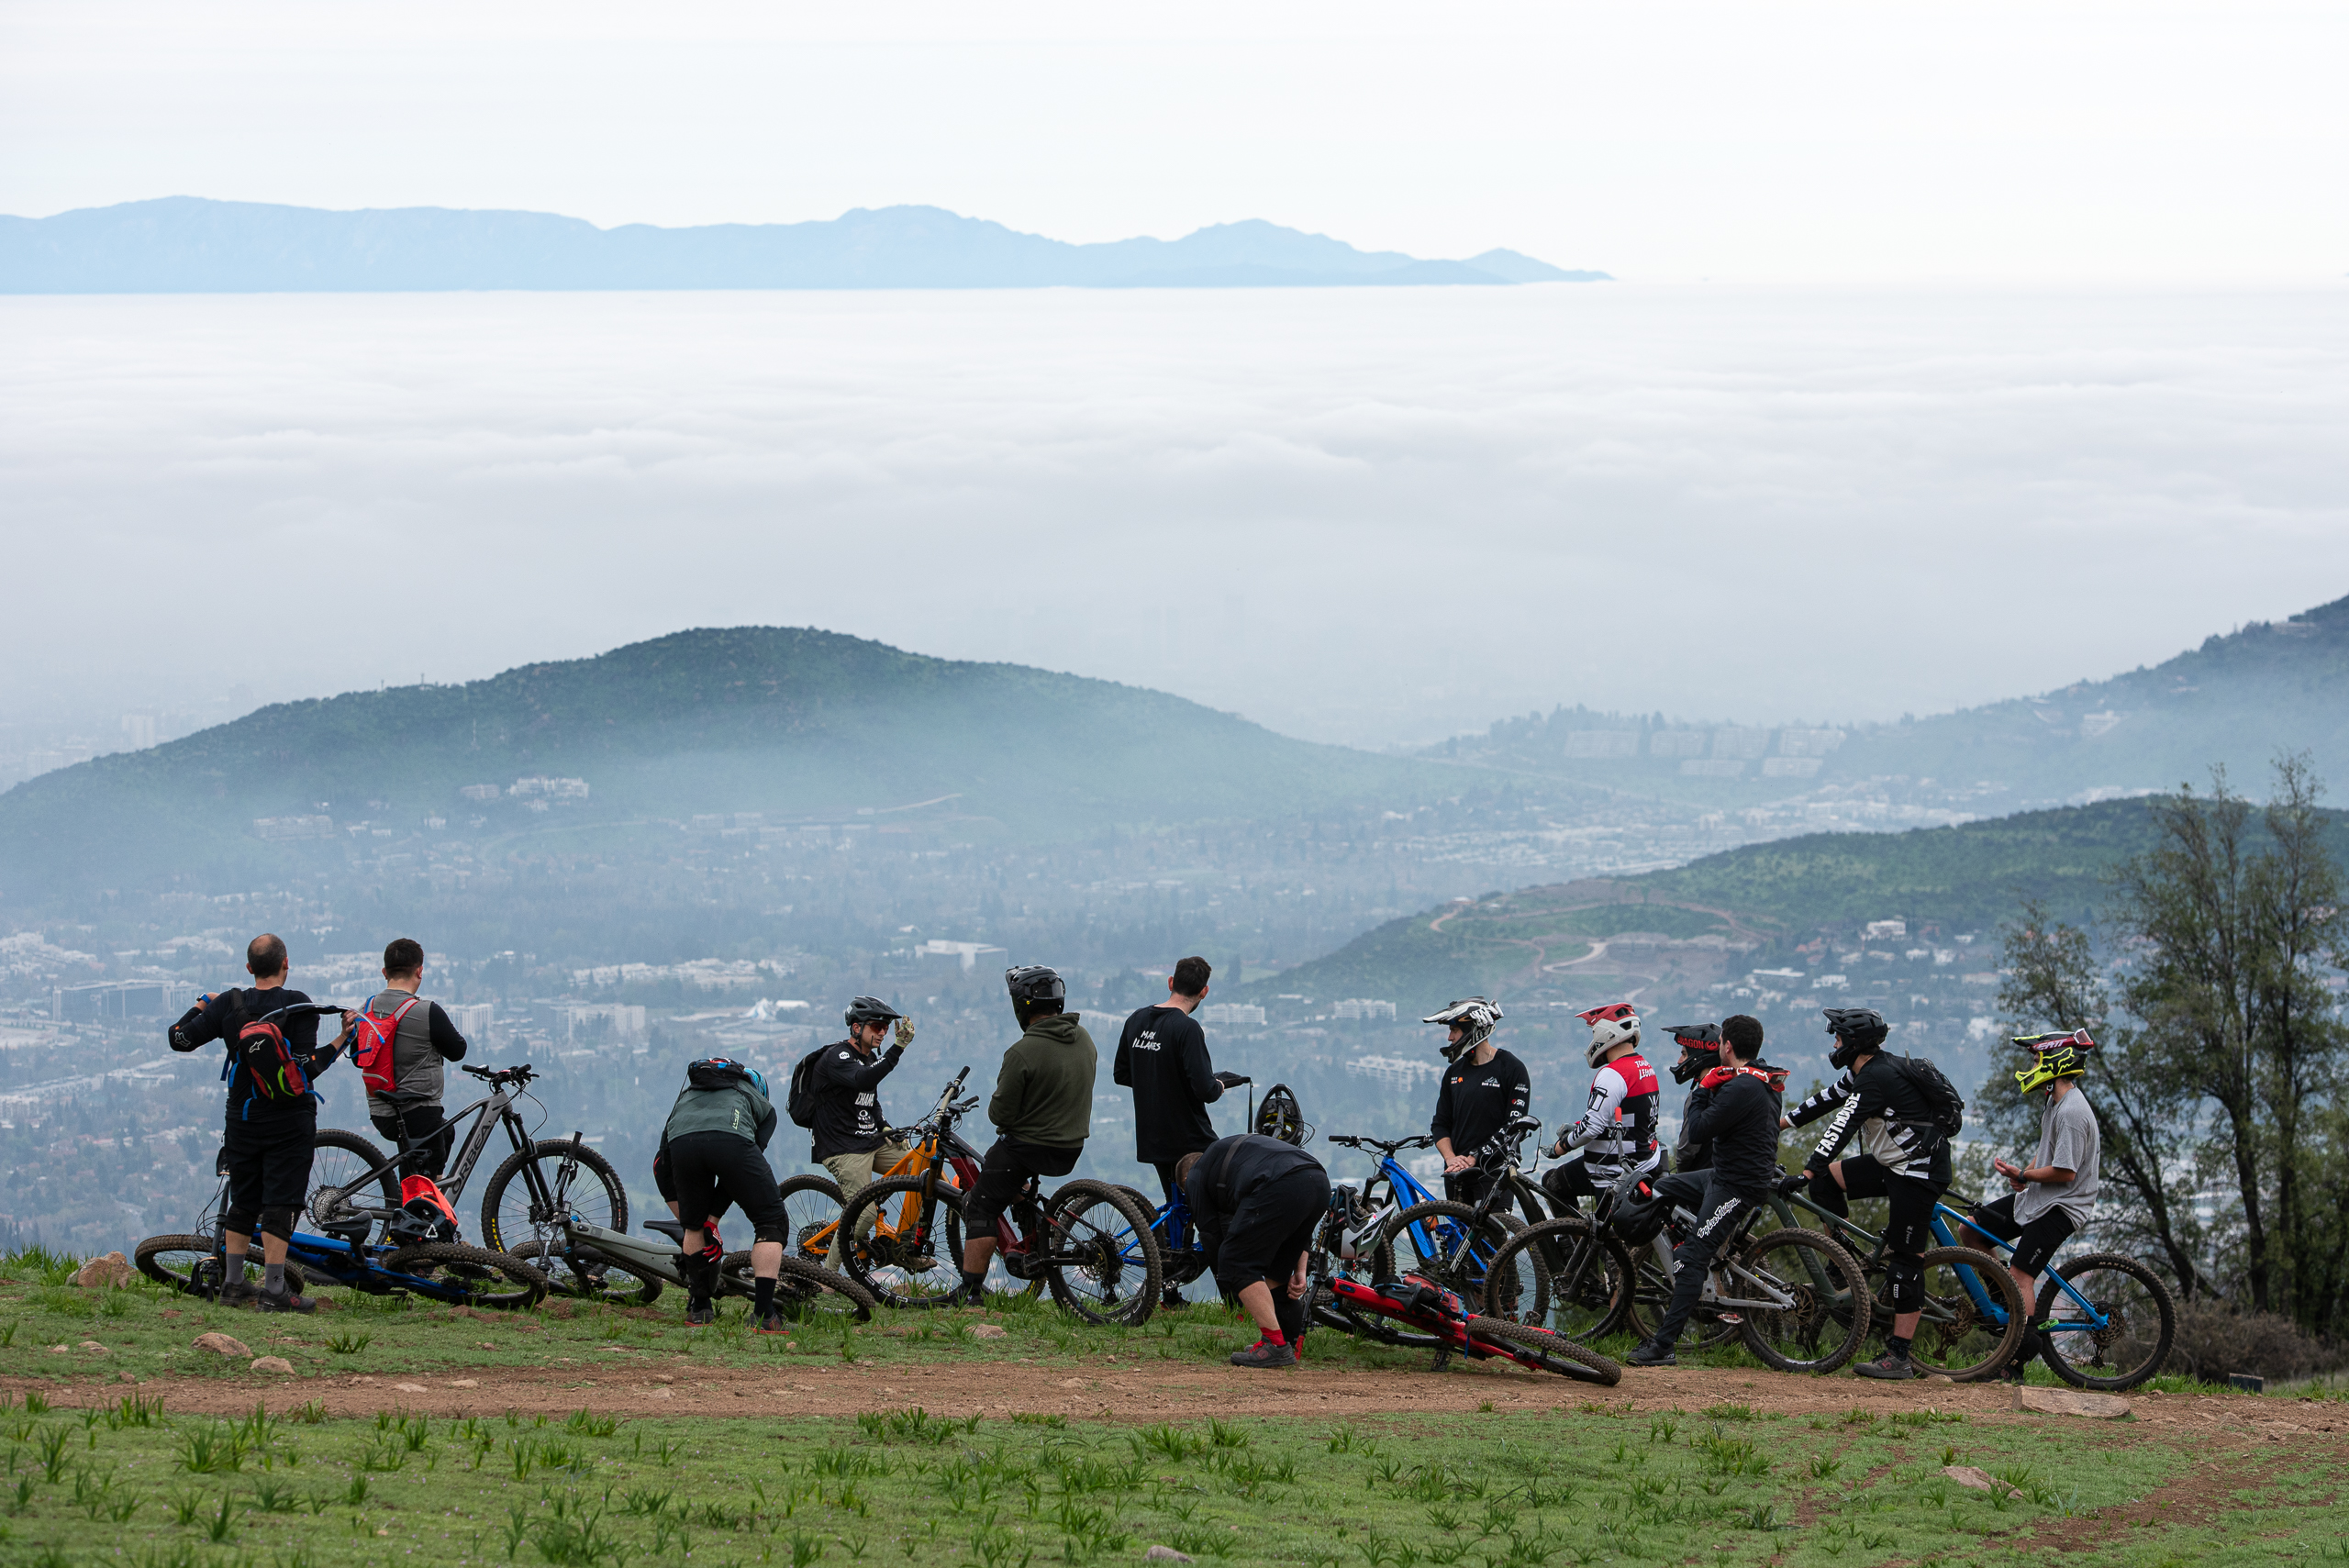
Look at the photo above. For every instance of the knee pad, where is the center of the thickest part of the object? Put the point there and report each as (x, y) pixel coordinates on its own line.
(778, 1230)
(277, 1222)
(1907, 1278)
(243, 1221)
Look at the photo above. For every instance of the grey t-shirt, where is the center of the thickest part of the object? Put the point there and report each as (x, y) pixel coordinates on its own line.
(2068, 1141)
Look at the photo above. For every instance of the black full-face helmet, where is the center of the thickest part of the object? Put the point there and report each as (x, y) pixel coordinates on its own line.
(1700, 1050)
(1036, 992)
(1857, 1030)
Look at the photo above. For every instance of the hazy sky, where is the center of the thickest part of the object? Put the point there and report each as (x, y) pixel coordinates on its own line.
(1782, 141)
(1362, 514)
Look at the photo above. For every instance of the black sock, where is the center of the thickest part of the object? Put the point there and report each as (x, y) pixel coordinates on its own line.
(762, 1297)
(1897, 1346)
(974, 1285)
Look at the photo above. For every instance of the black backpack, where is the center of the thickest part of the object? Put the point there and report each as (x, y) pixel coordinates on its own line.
(799, 1102)
(1942, 1097)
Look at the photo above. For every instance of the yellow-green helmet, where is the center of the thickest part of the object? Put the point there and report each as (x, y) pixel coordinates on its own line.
(2060, 1053)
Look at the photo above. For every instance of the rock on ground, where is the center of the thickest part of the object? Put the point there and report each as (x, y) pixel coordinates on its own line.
(1968, 1475)
(112, 1271)
(2074, 1402)
(221, 1344)
(273, 1364)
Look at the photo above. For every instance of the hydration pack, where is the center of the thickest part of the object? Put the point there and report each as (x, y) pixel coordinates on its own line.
(1941, 1096)
(263, 1059)
(371, 1048)
(799, 1099)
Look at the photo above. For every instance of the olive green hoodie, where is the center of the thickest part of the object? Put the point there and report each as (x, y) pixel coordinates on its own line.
(1044, 1093)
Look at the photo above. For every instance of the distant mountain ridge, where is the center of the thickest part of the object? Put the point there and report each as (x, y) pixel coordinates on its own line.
(788, 723)
(191, 245)
(2236, 700)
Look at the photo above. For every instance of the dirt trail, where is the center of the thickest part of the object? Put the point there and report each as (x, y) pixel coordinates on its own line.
(640, 1385)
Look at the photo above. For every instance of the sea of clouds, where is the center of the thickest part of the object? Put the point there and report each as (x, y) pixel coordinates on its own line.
(1376, 515)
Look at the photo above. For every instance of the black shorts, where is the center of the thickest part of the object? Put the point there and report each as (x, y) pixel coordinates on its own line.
(1909, 1229)
(2035, 1243)
(1272, 1230)
(269, 1164)
(422, 1122)
(707, 1169)
(1008, 1167)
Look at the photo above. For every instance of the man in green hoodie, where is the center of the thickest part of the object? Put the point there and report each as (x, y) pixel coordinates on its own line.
(1042, 1110)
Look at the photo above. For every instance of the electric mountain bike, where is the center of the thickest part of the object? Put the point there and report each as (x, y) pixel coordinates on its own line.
(814, 1202)
(356, 1188)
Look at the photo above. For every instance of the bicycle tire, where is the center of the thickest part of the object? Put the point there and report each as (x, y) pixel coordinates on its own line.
(1954, 1338)
(1839, 1307)
(606, 1279)
(1084, 1247)
(804, 1292)
(892, 1273)
(506, 1225)
(156, 1258)
(334, 1190)
(2084, 1348)
(1550, 1351)
(1388, 1264)
(804, 1198)
(468, 1264)
(1572, 1298)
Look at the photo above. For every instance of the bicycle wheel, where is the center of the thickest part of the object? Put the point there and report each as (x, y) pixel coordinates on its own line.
(2131, 1342)
(188, 1263)
(1825, 1318)
(1562, 1275)
(1102, 1261)
(812, 1206)
(912, 1257)
(804, 1292)
(343, 1177)
(1530, 1345)
(1444, 1242)
(1958, 1336)
(474, 1274)
(509, 1216)
(594, 1278)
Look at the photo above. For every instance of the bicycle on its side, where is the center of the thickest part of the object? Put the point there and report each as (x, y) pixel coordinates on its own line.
(906, 1233)
(1360, 1217)
(355, 1188)
(196, 1263)
(2105, 1321)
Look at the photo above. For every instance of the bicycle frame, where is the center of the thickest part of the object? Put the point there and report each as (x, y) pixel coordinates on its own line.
(495, 1110)
(1999, 1247)
(1872, 1247)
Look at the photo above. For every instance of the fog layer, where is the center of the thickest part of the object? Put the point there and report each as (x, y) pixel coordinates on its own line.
(1372, 516)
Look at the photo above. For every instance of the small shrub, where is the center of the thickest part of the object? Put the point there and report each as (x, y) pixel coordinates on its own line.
(2213, 1342)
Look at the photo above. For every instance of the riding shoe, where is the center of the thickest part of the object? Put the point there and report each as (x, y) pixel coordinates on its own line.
(237, 1292)
(773, 1323)
(1651, 1353)
(283, 1301)
(1264, 1354)
(699, 1314)
(1892, 1368)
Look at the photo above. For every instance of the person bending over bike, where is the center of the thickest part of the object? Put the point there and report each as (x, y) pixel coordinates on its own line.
(273, 1121)
(1905, 1159)
(713, 1151)
(1739, 1122)
(1043, 1111)
(1163, 1057)
(852, 1137)
(421, 1038)
(2054, 1196)
(1483, 1089)
(1618, 1128)
(1256, 1201)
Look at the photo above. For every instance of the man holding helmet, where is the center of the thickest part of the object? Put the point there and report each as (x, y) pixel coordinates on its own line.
(1618, 1128)
(2056, 1194)
(852, 1135)
(1483, 1089)
(1043, 1111)
(1904, 1159)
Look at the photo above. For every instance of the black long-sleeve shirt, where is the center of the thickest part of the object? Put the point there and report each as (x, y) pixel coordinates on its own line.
(1217, 1191)
(1475, 1103)
(1891, 1115)
(847, 1102)
(231, 1011)
(1690, 1154)
(1163, 1057)
(1740, 1122)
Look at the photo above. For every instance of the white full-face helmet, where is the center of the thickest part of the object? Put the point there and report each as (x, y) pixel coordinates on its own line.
(1610, 1026)
(1473, 1016)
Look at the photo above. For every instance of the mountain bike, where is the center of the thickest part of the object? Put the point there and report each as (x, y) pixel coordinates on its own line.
(1457, 1245)
(814, 1202)
(602, 1264)
(196, 1263)
(357, 1188)
(1088, 1241)
(2108, 1325)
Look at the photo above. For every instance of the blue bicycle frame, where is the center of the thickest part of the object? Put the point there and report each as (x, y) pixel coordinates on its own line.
(1997, 1246)
(1174, 1219)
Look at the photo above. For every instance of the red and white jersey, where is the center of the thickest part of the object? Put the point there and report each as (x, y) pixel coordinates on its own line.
(1619, 1127)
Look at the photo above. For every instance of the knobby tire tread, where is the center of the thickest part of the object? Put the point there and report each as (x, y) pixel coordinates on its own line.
(1578, 1362)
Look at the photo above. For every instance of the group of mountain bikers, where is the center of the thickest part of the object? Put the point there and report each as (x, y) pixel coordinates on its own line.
(1255, 1200)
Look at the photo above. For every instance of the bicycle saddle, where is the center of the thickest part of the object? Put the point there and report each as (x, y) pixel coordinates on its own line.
(673, 1229)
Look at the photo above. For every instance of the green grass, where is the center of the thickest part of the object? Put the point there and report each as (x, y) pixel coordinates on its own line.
(1595, 1483)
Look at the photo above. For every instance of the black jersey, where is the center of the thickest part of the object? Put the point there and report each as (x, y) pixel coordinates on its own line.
(1475, 1102)
(1892, 1117)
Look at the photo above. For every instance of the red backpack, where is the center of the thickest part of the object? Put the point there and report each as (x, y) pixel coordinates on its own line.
(371, 1047)
(261, 1054)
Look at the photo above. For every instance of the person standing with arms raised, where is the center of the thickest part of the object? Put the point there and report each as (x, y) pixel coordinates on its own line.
(1163, 1057)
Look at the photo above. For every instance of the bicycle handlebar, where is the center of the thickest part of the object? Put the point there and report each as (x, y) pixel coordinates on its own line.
(1352, 1141)
(521, 1074)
